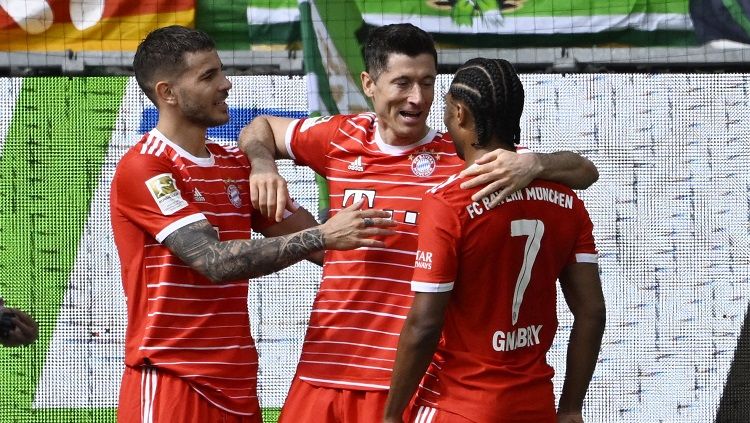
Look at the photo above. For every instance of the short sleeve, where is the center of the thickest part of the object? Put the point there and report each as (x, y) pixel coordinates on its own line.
(436, 263)
(585, 247)
(308, 140)
(152, 196)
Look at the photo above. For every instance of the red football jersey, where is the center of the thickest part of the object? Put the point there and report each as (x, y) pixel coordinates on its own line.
(502, 265)
(178, 320)
(365, 294)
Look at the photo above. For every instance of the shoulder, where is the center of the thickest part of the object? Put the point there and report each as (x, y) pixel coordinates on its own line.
(231, 152)
(149, 150)
(450, 191)
(363, 120)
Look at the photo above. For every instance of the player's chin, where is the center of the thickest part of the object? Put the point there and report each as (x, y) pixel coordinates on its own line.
(220, 119)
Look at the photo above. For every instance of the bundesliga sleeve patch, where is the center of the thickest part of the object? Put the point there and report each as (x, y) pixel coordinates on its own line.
(164, 190)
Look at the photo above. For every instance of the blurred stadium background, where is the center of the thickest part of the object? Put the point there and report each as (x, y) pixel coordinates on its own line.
(655, 92)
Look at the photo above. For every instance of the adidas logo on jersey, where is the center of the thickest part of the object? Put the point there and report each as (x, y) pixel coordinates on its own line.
(197, 196)
(356, 165)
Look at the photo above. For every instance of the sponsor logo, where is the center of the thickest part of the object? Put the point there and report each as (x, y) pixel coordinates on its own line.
(356, 165)
(424, 260)
(198, 197)
(163, 189)
(357, 194)
(234, 195)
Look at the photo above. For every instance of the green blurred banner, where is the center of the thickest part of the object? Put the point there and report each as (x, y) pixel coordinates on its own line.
(503, 23)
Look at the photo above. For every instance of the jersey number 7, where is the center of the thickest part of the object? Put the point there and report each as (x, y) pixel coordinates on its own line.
(534, 230)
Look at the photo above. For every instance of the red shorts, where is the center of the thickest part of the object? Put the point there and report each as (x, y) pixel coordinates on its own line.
(309, 403)
(147, 396)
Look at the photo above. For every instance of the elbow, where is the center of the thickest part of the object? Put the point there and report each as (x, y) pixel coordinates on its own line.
(211, 274)
(594, 316)
(591, 173)
(245, 138)
(219, 273)
(425, 333)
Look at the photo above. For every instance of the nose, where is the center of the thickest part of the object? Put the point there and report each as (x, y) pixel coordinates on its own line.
(226, 83)
(416, 95)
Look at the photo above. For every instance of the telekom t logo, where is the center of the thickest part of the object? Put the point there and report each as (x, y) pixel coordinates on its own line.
(357, 194)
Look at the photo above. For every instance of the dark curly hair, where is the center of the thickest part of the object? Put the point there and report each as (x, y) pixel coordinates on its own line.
(491, 89)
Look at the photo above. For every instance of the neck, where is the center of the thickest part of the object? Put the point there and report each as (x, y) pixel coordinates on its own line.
(475, 153)
(391, 138)
(190, 137)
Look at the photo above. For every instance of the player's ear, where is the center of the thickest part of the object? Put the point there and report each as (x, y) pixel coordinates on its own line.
(461, 113)
(368, 83)
(165, 92)
(464, 117)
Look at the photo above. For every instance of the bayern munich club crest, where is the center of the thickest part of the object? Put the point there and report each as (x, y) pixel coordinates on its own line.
(424, 162)
(234, 195)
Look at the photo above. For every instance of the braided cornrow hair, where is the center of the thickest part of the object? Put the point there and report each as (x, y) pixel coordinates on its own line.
(494, 94)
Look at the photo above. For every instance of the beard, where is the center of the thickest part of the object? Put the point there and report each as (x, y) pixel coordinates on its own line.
(199, 115)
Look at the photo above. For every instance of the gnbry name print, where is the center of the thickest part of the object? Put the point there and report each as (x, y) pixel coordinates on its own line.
(530, 193)
(518, 338)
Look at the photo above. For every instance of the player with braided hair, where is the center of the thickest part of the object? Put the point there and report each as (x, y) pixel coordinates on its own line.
(484, 310)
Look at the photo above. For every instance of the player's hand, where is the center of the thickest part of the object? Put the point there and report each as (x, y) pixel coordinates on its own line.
(268, 191)
(569, 417)
(393, 420)
(353, 228)
(501, 170)
(25, 332)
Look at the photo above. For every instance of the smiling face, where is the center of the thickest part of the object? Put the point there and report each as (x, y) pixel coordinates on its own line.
(402, 95)
(202, 88)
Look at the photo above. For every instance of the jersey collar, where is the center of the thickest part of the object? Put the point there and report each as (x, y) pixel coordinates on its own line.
(200, 161)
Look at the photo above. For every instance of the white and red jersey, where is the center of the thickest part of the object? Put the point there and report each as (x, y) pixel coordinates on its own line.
(502, 265)
(178, 320)
(365, 294)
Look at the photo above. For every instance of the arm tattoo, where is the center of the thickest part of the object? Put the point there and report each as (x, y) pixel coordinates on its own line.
(198, 245)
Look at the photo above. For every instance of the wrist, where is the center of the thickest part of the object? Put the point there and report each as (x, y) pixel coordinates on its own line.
(538, 164)
(264, 164)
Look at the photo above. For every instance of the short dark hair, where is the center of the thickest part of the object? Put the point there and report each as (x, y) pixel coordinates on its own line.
(403, 38)
(493, 92)
(163, 52)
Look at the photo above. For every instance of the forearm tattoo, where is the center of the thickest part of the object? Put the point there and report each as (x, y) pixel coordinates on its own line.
(198, 245)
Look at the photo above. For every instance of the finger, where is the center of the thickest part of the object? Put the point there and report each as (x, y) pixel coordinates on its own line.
(471, 171)
(375, 213)
(291, 205)
(487, 190)
(367, 242)
(254, 195)
(355, 206)
(488, 157)
(376, 231)
(262, 200)
(25, 318)
(501, 196)
(24, 330)
(271, 200)
(477, 181)
(268, 202)
(374, 222)
(282, 197)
